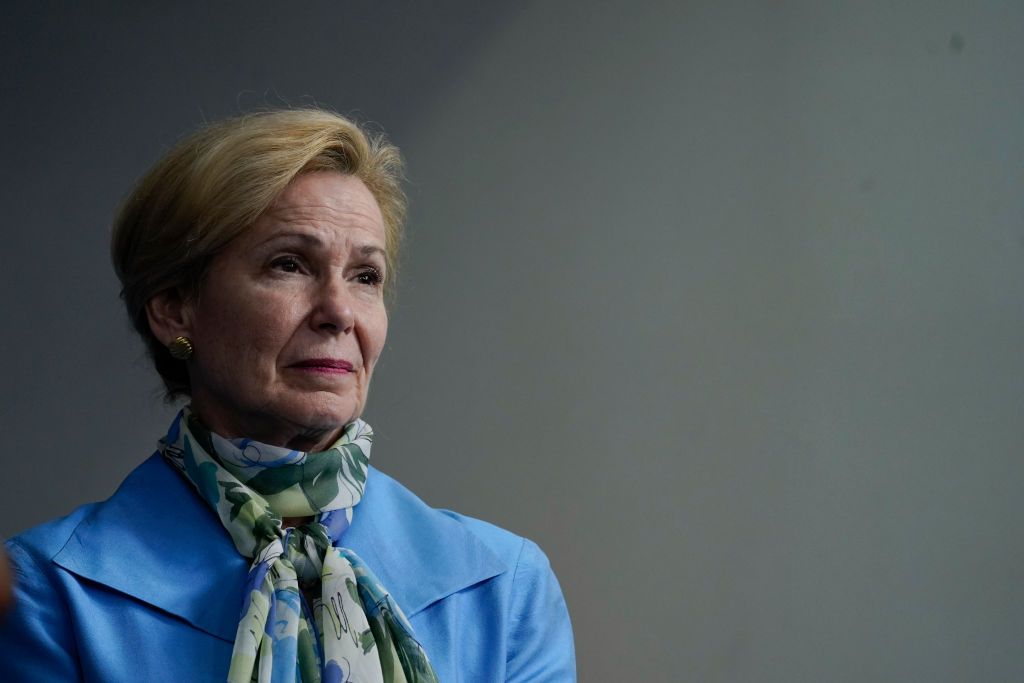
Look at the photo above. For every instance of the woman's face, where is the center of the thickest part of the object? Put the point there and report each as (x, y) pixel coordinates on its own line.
(290, 319)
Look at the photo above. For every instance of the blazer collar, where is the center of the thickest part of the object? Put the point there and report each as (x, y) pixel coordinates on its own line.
(420, 554)
(156, 541)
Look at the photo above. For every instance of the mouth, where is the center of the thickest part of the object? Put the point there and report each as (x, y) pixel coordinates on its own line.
(327, 366)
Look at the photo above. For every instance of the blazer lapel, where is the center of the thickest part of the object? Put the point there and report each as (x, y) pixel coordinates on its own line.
(421, 555)
(156, 541)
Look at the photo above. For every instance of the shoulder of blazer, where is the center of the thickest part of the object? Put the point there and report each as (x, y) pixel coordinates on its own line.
(156, 541)
(422, 554)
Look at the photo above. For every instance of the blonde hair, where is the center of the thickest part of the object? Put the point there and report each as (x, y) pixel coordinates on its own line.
(214, 184)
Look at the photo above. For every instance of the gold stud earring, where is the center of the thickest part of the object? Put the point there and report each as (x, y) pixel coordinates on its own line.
(180, 348)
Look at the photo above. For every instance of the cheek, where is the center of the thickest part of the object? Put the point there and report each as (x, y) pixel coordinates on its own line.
(243, 342)
(376, 335)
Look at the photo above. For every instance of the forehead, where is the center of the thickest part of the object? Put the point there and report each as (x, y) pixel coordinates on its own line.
(329, 204)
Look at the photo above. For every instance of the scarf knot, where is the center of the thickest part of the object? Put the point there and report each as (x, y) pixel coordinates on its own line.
(354, 630)
(305, 547)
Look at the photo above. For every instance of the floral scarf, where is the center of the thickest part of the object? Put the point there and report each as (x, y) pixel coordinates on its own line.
(354, 631)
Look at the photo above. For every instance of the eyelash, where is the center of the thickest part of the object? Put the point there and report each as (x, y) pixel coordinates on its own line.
(290, 264)
(290, 261)
(376, 278)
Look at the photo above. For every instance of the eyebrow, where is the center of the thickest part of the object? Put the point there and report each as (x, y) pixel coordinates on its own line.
(301, 236)
(314, 240)
(370, 250)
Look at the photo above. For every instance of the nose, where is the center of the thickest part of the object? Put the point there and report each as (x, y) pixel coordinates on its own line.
(332, 309)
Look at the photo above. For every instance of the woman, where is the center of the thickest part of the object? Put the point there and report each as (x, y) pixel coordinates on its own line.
(257, 543)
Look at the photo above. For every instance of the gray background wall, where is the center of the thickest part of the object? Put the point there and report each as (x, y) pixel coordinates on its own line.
(724, 298)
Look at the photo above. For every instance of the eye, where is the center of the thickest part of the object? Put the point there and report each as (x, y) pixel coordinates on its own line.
(370, 276)
(286, 264)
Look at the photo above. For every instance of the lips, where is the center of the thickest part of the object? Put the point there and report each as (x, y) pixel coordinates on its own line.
(331, 365)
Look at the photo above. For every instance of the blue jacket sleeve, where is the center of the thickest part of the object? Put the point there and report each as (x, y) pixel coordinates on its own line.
(540, 641)
(36, 641)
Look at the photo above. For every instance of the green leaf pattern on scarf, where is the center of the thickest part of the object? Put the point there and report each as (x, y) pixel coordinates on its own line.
(251, 486)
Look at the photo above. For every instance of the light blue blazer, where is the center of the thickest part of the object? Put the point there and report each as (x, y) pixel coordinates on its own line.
(147, 586)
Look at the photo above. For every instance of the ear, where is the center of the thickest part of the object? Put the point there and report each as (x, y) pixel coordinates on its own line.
(170, 315)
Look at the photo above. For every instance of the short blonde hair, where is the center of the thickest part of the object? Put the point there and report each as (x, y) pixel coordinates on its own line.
(214, 184)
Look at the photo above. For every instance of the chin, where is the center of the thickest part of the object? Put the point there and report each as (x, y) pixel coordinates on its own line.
(329, 413)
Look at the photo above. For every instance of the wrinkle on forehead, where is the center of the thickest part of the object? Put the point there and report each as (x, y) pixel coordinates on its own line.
(314, 212)
(321, 191)
(327, 200)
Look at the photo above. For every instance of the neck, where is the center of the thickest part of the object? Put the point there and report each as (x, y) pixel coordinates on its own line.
(271, 432)
(310, 441)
